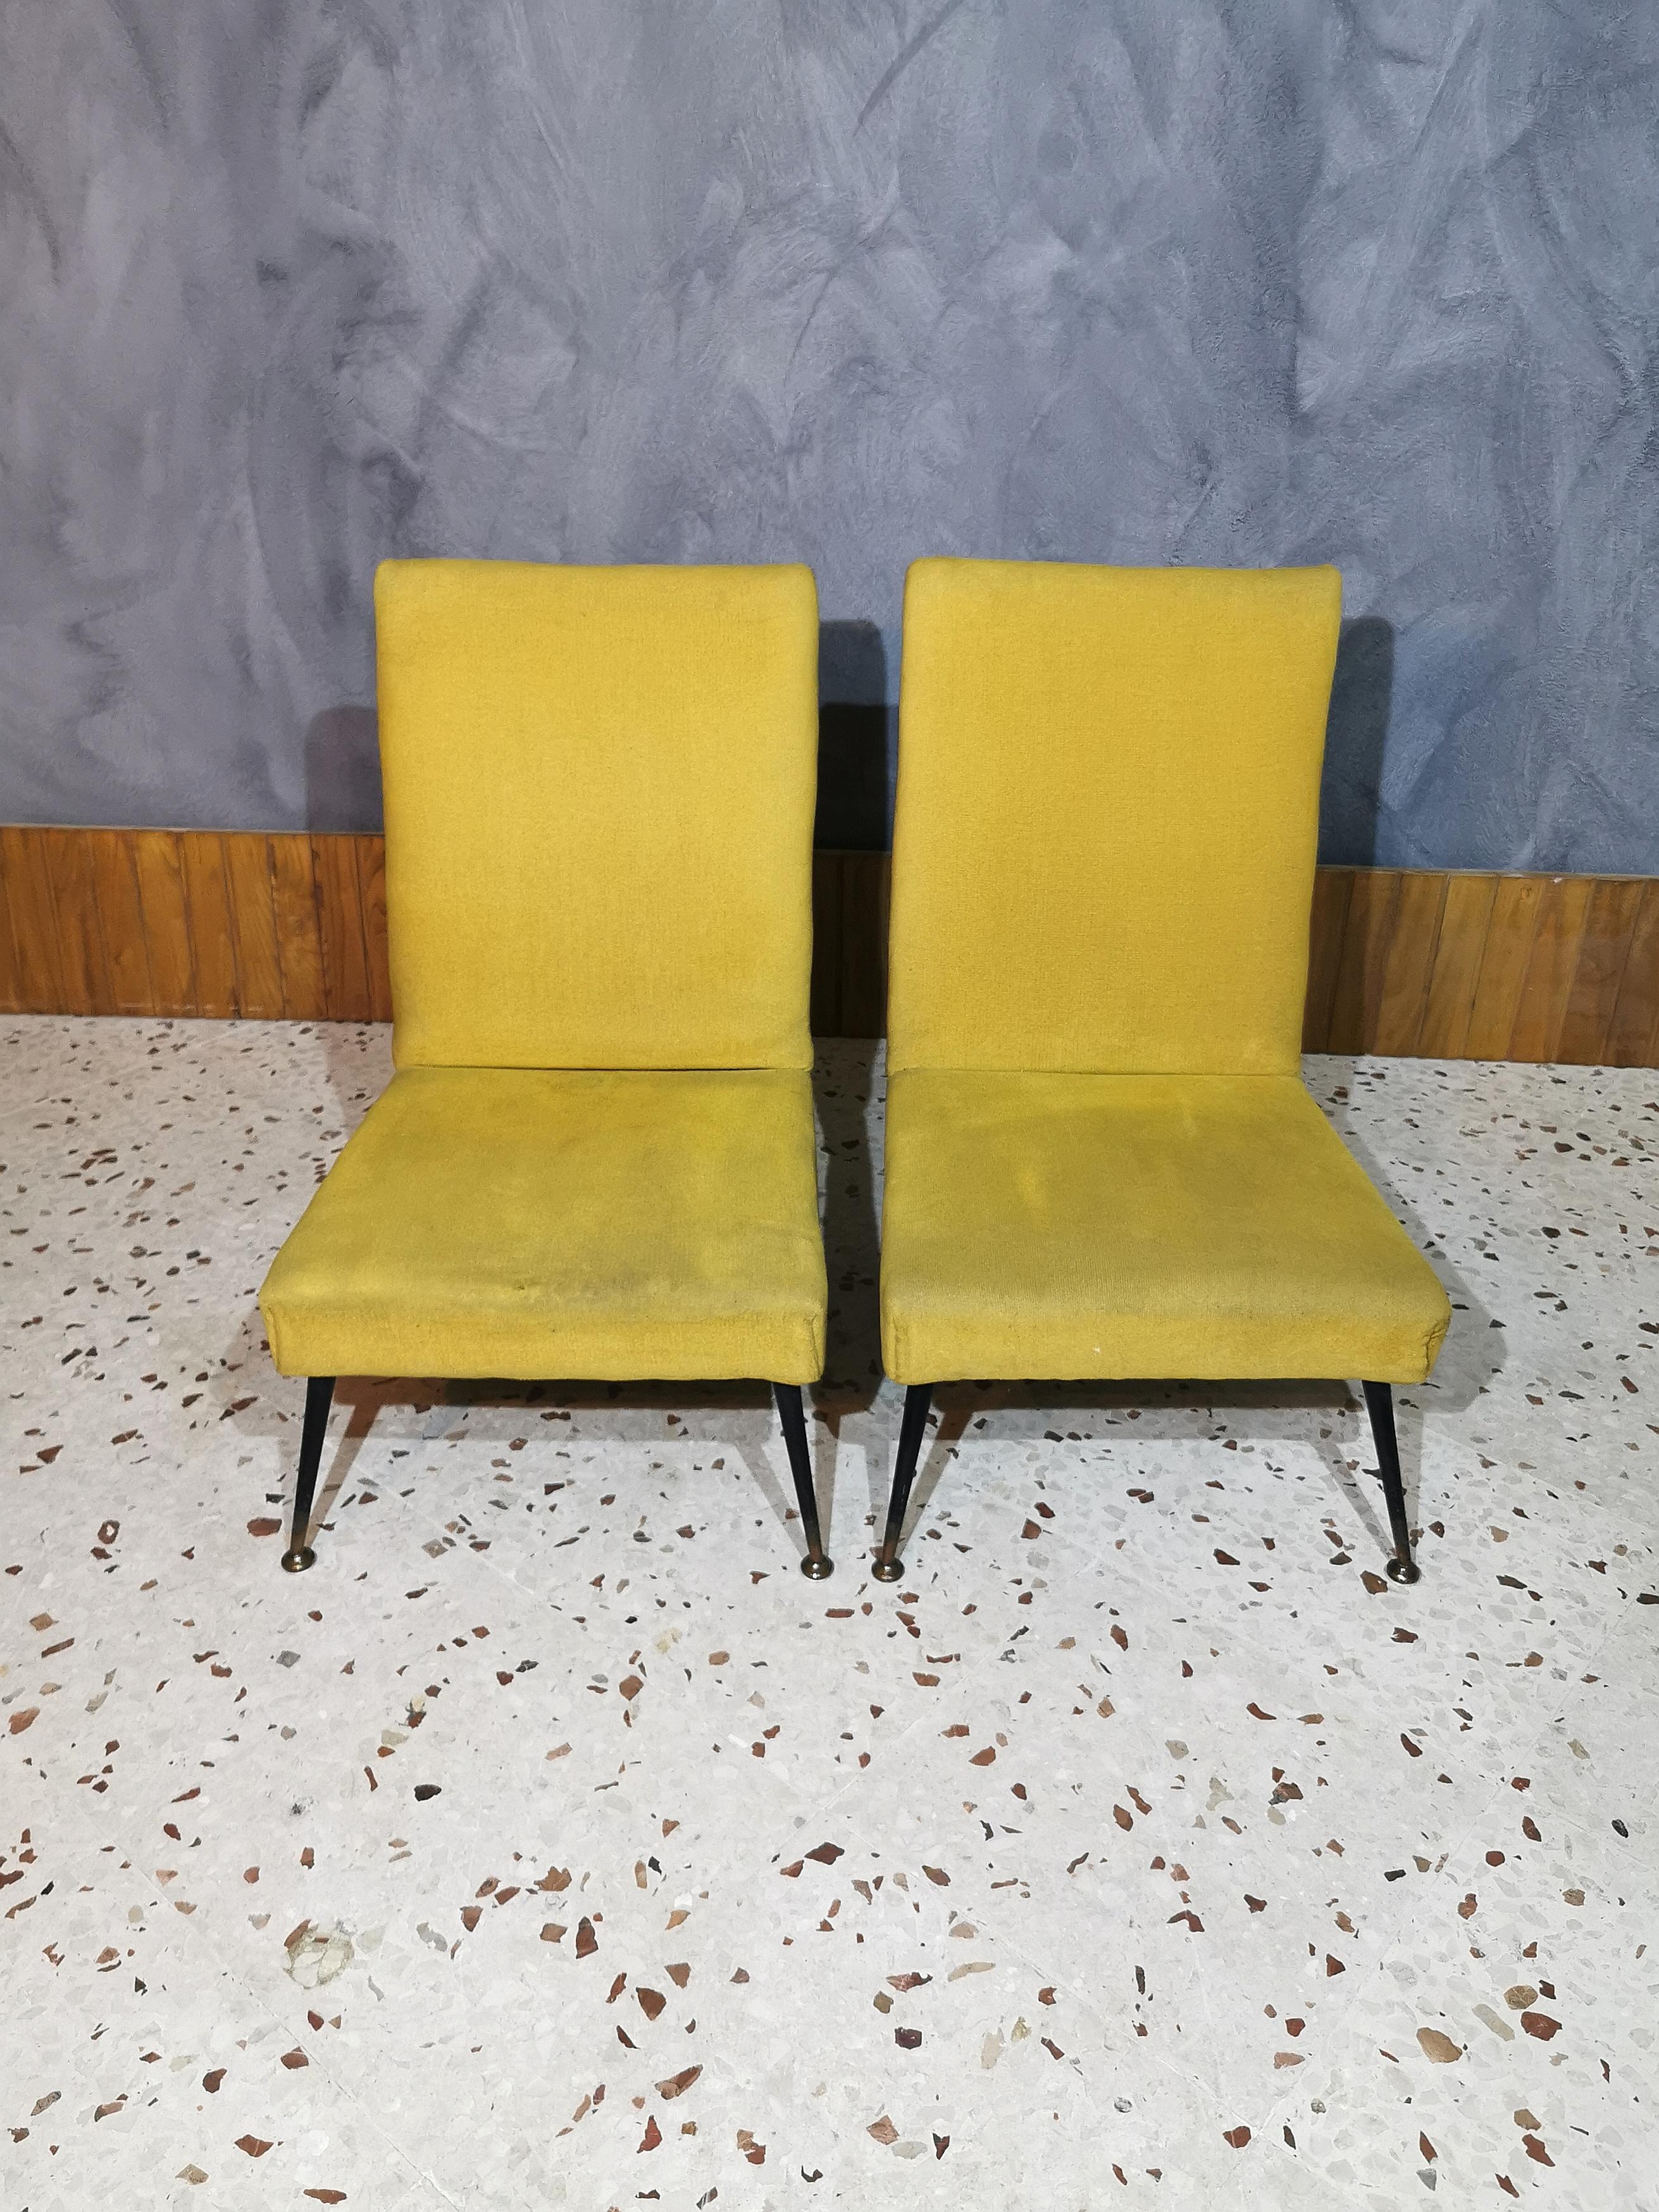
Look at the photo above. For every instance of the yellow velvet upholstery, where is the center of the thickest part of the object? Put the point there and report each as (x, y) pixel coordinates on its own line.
(598, 1158)
(1101, 1158)
(599, 786)
(527, 1223)
(1137, 1225)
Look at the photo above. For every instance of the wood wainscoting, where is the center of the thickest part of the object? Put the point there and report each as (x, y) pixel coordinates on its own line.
(1403, 961)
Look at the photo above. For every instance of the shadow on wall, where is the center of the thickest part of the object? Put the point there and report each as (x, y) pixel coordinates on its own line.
(858, 734)
(343, 769)
(1351, 795)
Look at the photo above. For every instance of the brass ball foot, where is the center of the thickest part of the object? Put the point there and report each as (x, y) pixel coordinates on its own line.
(1403, 1571)
(889, 1570)
(296, 1562)
(818, 1570)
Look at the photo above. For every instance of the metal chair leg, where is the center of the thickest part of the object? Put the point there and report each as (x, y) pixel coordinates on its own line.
(889, 1567)
(1379, 1404)
(818, 1566)
(319, 1396)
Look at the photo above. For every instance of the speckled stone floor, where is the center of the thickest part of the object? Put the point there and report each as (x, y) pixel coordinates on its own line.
(555, 1842)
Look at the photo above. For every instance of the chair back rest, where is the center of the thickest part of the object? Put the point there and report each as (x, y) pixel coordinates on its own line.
(599, 786)
(1107, 815)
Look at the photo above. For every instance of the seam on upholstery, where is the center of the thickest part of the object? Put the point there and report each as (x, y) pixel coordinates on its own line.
(595, 1067)
(1431, 1345)
(1170, 1074)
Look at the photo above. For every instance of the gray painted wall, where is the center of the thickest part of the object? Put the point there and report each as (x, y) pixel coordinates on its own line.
(293, 284)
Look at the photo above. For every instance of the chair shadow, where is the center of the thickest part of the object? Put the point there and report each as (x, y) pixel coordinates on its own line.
(1253, 1411)
(1474, 1351)
(1351, 803)
(851, 1359)
(362, 1401)
(343, 770)
(364, 1397)
(948, 1424)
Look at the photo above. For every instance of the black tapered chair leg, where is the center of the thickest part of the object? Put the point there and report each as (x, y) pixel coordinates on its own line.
(319, 1396)
(817, 1565)
(1379, 1404)
(889, 1567)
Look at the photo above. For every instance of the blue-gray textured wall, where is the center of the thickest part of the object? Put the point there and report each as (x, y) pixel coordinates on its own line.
(292, 284)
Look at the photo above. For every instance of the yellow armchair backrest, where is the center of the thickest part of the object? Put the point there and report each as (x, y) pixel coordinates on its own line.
(599, 786)
(1106, 814)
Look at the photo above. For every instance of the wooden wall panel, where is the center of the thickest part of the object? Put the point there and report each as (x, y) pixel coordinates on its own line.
(11, 980)
(113, 858)
(1413, 941)
(1458, 947)
(298, 930)
(212, 933)
(252, 897)
(346, 994)
(1562, 909)
(1505, 958)
(1401, 960)
(371, 891)
(164, 906)
(1363, 959)
(74, 905)
(1333, 888)
(25, 877)
(1633, 1033)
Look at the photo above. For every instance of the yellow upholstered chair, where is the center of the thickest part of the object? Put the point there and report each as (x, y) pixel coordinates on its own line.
(1101, 1158)
(597, 1157)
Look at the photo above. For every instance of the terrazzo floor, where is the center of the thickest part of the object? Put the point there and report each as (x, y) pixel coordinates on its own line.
(553, 1843)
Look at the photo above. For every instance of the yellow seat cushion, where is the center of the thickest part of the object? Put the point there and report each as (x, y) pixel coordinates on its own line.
(599, 786)
(1107, 810)
(555, 1224)
(1068, 1226)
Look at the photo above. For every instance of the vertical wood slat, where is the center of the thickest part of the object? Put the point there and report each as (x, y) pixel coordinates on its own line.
(39, 980)
(1413, 939)
(1609, 925)
(346, 995)
(11, 981)
(251, 892)
(1326, 923)
(1563, 908)
(1633, 1032)
(1463, 921)
(74, 906)
(164, 910)
(299, 940)
(370, 888)
(212, 932)
(1504, 959)
(119, 920)
(1364, 960)
(199, 922)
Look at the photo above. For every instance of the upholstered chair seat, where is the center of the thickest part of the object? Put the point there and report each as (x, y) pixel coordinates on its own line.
(550, 1222)
(1070, 1226)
